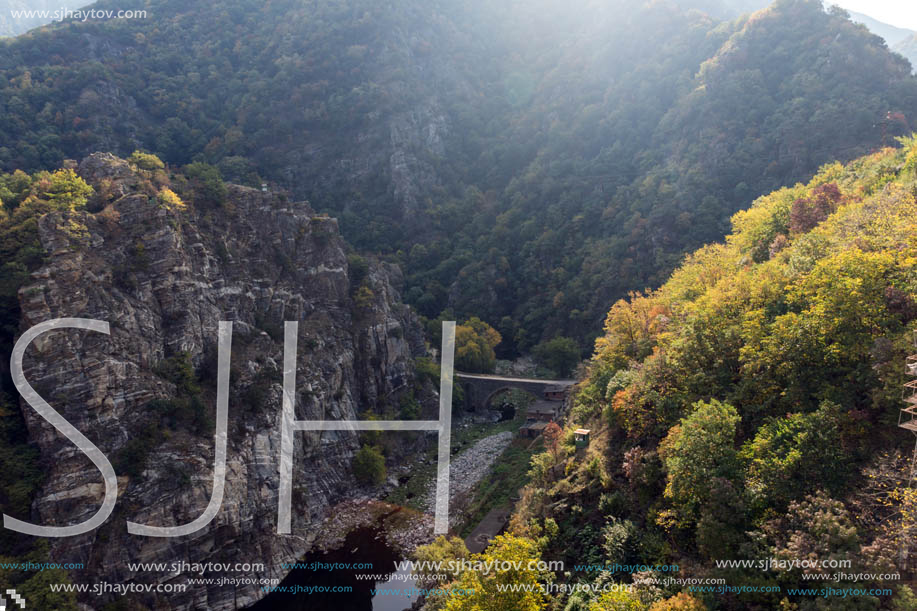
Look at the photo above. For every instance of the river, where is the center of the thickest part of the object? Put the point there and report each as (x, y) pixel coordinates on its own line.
(364, 545)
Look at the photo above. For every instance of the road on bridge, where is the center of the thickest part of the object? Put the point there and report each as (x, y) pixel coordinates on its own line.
(481, 376)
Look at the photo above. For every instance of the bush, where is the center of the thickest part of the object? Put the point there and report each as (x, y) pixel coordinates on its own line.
(369, 466)
(364, 297)
(206, 182)
(474, 346)
(179, 370)
(409, 408)
(679, 602)
(146, 161)
(560, 355)
(620, 543)
(132, 457)
(357, 269)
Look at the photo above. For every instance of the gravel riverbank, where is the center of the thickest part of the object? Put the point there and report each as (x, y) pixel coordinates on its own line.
(466, 470)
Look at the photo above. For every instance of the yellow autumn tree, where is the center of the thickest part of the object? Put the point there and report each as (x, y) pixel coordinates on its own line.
(680, 602)
(508, 557)
(475, 341)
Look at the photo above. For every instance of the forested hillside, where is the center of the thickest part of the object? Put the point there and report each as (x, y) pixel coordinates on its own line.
(526, 163)
(748, 408)
(908, 48)
(737, 183)
(11, 25)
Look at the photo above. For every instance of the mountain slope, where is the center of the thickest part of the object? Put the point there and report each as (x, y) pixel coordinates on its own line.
(11, 25)
(748, 408)
(908, 48)
(726, 9)
(175, 264)
(893, 35)
(506, 164)
(639, 167)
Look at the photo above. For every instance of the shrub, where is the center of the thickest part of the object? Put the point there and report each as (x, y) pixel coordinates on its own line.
(679, 602)
(560, 355)
(206, 182)
(146, 161)
(409, 408)
(132, 457)
(169, 199)
(179, 370)
(364, 297)
(369, 465)
(357, 269)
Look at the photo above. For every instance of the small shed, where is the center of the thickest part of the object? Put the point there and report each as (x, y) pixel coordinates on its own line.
(555, 393)
(541, 413)
(532, 429)
(581, 437)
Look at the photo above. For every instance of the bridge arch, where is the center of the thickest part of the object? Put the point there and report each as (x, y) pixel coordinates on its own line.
(480, 389)
(487, 403)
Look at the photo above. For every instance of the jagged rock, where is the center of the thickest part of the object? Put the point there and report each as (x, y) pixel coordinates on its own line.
(163, 276)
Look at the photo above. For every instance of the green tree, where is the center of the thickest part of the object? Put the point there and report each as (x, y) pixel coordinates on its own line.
(368, 465)
(816, 527)
(63, 188)
(207, 183)
(789, 453)
(904, 599)
(698, 450)
(38, 594)
(560, 355)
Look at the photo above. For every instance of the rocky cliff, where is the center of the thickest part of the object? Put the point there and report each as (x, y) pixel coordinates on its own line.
(163, 272)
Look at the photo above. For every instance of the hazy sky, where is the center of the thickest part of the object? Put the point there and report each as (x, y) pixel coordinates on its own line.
(901, 13)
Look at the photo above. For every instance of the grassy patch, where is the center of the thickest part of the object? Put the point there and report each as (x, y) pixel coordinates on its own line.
(412, 491)
(508, 476)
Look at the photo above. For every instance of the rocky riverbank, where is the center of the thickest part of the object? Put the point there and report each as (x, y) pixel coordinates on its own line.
(465, 471)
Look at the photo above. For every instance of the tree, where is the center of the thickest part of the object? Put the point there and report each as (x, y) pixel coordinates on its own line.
(207, 183)
(816, 527)
(620, 544)
(697, 451)
(485, 588)
(490, 335)
(474, 346)
(560, 355)
(63, 188)
(38, 594)
(619, 600)
(904, 599)
(540, 470)
(442, 550)
(806, 213)
(369, 465)
(680, 602)
(789, 453)
(552, 434)
(146, 161)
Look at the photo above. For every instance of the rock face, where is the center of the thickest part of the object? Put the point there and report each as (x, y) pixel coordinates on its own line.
(163, 274)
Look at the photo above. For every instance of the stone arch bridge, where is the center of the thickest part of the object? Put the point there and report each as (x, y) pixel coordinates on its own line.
(480, 388)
